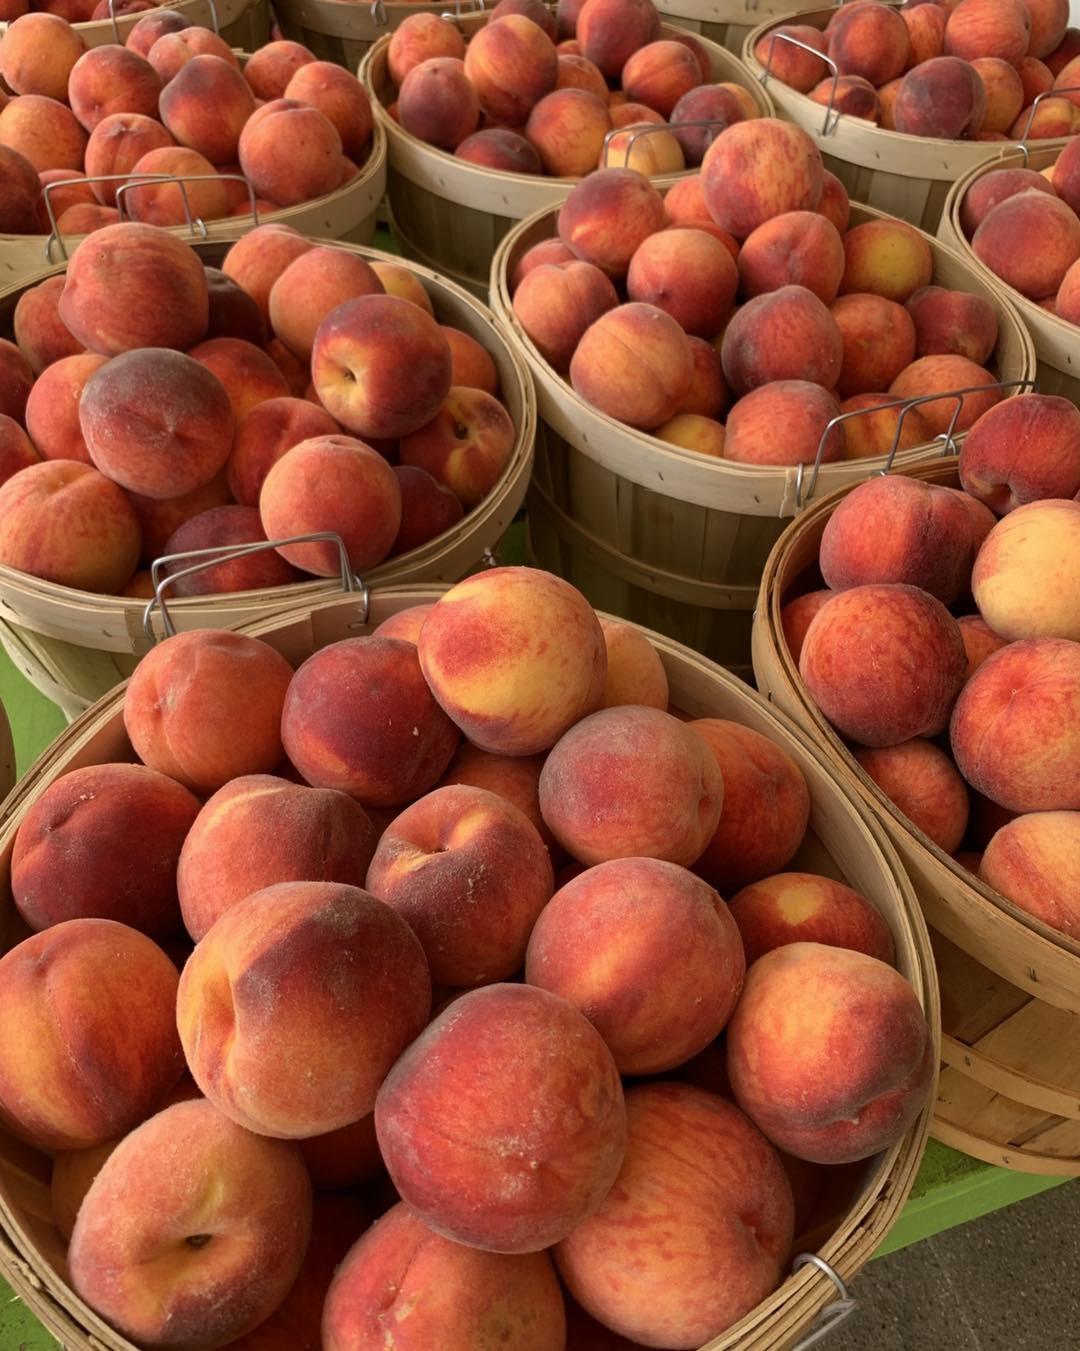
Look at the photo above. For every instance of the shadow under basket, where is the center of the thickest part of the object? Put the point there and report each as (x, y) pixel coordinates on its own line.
(843, 841)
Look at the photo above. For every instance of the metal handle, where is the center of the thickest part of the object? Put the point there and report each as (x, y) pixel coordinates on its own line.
(948, 446)
(827, 127)
(462, 11)
(834, 1313)
(648, 128)
(1022, 145)
(226, 553)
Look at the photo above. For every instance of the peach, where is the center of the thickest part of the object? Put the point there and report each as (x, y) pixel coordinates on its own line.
(1067, 304)
(576, 72)
(952, 374)
(632, 114)
(503, 149)
(514, 778)
(171, 51)
(693, 432)
(38, 53)
(312, 166)
(1001, 738)
(84, 218)
(428, 508)
(73, 1172)
(850, 96)
(798, 248)
(608, 215)
(635, 671)
(117, 144)
(689, 275)
(438, 103)
(1049, 24)
(248, 375)
(644, 146)
(805, 908)
(258, 259)
(205, 706)
(1030, 241)
(16, 449)
(1032, 862)
(1066, 81)
(103, 842)
(470, 874)
(716, 104)
(1064, 52)
(380, 366)
(923, 784)
(221, 528)
(980, 641)
(955, 322)
(360, 718)
(887, 258)
(100, 999)
(160, 519)
(199, 1252)
(835, 205)
(897, 529)
(889, 93)
(111, 79)
(535, 10)
(1066, 175)
(997, 28)
(471, 363)
(659, 74)
(104, 302)
(342, 100)
(787, 334)
(66, 523)
(403, 283)
(766, 806)
(942, 98)
(332, 483)
(758, 169)
(1024, 449)
(359, 990)
(878, 338)
(631, 781)
(871, 41)
(1035, 78)
(797, 615)
(345, 1157)
(1051, 117)
(567, 128)
(785, 1070)
(696, 1230)
(422, 37)
(708, 395)
(266, 433)
(926, 32)
(805, 411)
(233, 313)
(316, 282)
(52, 410)
(515, 656)
(511, 63)
(438, 1292)
(20, 192)
(269, 70)
(205, 106)
(793, 65)
(513, 1159)
(881, 425)
(466, 446)
(156, 422)
(899, 678)
(142, 35)
(703, 57)
(682, 953)
(613, 30)
(44, 132)
(63, 189)
(634, 363)
(16, 380)
(1004, 93)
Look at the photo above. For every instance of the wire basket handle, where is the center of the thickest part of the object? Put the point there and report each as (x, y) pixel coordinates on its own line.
(1022, 144)
(831, 116)
(714, 125)
(834, 1313)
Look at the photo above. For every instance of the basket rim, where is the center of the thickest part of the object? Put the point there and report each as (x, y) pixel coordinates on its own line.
(92, 28)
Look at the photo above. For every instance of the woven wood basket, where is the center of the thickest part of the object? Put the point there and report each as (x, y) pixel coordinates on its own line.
(450, 214)
(345, 30)
(729, 21)
(665, 536)
(844, 841)
(75, 645)
(348, 213)
(242, 23)
(1057, 343)
(906, 176)
(1010, 1090)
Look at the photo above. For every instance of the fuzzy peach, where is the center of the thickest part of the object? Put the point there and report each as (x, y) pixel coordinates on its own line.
(117, 143)
(437, 102)
(880, 425)
(795, 907)
(926, 32)
(871, 41)
(634, 363)
(797, 615)
(44, 132)
(708, 394)
(1025, 579)
(635, 671)
(311, 286)
(608, 215)
(785, 335)
(419, 38)
(1032, 862)
(850, 96)
(924, 785)
(1030, 241)
(52, 410)
(270, 69)
(16, 449)
(503, 149)
(112, 79)
(428, 508)
(718, 105)
(804, 409)
(257, 260)
(466, 446)
(955, 322)
(644, 146)
(878, 341)
(1024, 449)
(567, 129)
(38, 53)
(205, 106)
(266, 433)
(887, 258)
(797, 68)
(955, 374)
(799, 248)
(20, 193)
(758, 169)
(172, 50)
(311, 168)
(688, 274)
(577, 72)
(659, 74)
(1004, 92)
(511, 63)
(341, 99)
(998, 28)
(613, 30)
(225, 527)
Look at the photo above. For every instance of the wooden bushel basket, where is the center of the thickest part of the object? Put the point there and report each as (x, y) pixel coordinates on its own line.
(345, 30)
(1057, 343)
(729, 21)
(843, 841)
(450, 214)
(667, 537)
(905, 176)
(1010, 985)
(76, 645)
(242, 23)
(348, 213)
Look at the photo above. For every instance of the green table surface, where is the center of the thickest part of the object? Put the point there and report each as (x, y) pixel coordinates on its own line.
(949, 1190)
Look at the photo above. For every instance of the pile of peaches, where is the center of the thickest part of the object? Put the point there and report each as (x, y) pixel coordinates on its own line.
(1025, 226)
(447, 903)
(513, 100)
(173, 100)
(151, 405)
(637, 300)
(955, 71)
(946, 650)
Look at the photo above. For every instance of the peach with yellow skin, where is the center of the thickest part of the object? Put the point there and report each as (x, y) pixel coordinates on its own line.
(418, 38)
(269, 70)
(887, 258)
(515, 656)
(202, 1251)
(608, 215)
(798, 248)
(797, 1008)
(567, 128)
(634, 363)
(1033, 862)
(1025, 449)
(1026, 581)
(466, 446)
(758, 169)
(950, 373)
(796, 907)
(512, 64)
(38, 53)
(249, 375)
(923, 783)
(635, 671)
(359, 991)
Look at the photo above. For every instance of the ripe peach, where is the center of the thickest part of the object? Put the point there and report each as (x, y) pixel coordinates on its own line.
(111, 79)
(222, 713)
(886, 257)
(878, 342)
(438, 103)
(947, 373)
(924, 785)
(52, 410)
(644, 146)
(577, 72)
(421, 37)
(117, 143)
(16, 449)
(172, 50)
(38, 53)
(311, 168)
(312, 285)
(716, 104)
(515, 778)
(899, 678)
(999, 28)
(270, 69)
(466, 446)
(798, 248)
(1035, 78)
(871, 41)
(926, 32)
(659, 74)
(225, 527)
(511, 63)
(258, 259)
(205, 106)
(634, 363)
(514, 1159)
(797, 68)
(64, 191)
(688, 274)
(1052, 117)
(758, 169)
(159, 519)
(1049, 24)
(1022, 450)
(535, 10)
(1004, 93)
(943, 98)
(1065, 178)
(805, 908)
(247, 373)
(501, 148)
(797, 615)
(708, 395)
(428, 508)
(1030, 241)
(954, 322)
(608, 215)
(1063, 53)
(1032, 862)
(100, 998)
(635, 671)
(980, 641)
(43, 131)
(1067, 303)
(403, 283)
(613, 30)
(802, 408)
(20, 192)
(142, 36)
(785, 335)
(850, 95)
(341, 99)
(693, 432)
(472, 364)
(83, 850)
(567, 128)
(835, 205)
(175, 203)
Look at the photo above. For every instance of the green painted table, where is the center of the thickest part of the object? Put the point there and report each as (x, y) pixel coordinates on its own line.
(950, 1189)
